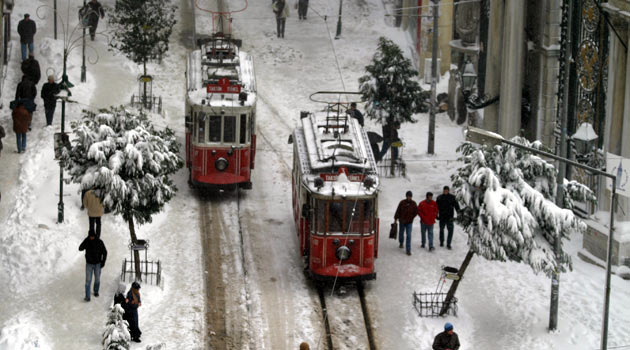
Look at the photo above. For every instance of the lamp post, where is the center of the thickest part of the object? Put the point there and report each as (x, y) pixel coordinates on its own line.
(83, 68)
(55, 20)
(338, 34)
(63, 95)
(485, 137)
(434, 73)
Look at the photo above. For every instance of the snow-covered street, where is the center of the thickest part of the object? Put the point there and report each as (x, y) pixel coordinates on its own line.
(232, 274)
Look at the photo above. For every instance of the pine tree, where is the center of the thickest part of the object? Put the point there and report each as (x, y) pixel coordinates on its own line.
(116, 335)
(508, 210)
(390, 88)
(142, 29)
(126, 161)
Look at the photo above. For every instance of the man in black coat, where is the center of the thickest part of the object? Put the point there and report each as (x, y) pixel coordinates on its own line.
(447, 340)
(355, 113)
(27, 29)
(30, 68)
(302, 8)
(96, 11)
(49, 92)
(95, 256)
(26, 93)
(447, 204)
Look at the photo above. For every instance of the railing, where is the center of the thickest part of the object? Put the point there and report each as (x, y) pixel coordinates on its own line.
(151, 274)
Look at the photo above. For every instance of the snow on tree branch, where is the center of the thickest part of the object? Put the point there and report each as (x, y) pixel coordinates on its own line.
(127, 161)
(390, 88)
(507, 195)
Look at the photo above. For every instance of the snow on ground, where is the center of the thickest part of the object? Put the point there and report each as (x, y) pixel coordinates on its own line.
(40, 265)
(501, 305)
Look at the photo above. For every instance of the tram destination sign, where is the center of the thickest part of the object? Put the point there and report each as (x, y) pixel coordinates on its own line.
(223, 87)
(343, 170)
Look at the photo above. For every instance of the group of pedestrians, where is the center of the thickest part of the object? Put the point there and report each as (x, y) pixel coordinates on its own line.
(95, 258)
(281, 9)
(26, 91)
(443, 209)
(130, 304)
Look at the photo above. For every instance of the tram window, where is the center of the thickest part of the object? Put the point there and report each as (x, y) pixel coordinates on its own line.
(321, 216)
(243, 128)
(229, 129)
(251, 126)
(201, 133)
(335, 217)
(214, 129)
(352, 221)
(367, 216)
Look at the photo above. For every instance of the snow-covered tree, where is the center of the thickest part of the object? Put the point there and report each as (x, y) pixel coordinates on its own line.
(126, 161)
(390, 87)
(141, 29)
(507, 196)
(116, 335)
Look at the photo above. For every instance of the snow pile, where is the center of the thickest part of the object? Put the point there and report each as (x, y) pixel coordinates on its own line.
(23, 333)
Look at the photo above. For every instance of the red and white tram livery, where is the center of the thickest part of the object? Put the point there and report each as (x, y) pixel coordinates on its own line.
(335, 196)
(220, 115)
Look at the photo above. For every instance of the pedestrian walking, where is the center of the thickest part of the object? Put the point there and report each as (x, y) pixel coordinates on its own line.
(133, 302)
(49, 95)
(447, 340)
(95, 11)
(390, 135)
(30, 68)
(406, 212)
(302, 8)
(21, 121)
(281, 9)
(2, 135)
(27, 29)
(95, 257)
(304, 346)
(355, 113)
(26, 90)
(428, 211)
(119, 297)
(95, 210)
(447, 205)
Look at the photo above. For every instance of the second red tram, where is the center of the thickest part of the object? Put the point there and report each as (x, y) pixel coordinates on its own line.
(220, 115)
(335, 196)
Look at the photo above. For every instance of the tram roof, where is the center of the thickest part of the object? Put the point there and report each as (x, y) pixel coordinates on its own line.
(202, 70)
(326, 145)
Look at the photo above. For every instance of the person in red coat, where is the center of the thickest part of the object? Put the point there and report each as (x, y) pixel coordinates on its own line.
(428, 211)
(21, 121)
(406, 212)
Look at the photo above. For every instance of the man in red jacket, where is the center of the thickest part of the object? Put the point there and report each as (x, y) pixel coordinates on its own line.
(427, 210)
(406, 212)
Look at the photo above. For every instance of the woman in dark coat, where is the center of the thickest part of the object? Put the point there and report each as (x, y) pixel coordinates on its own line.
(133, 303)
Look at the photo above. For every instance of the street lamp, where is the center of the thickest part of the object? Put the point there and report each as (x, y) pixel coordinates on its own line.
(585, 138)
(484, 137)
(468, 78)
(63, 95)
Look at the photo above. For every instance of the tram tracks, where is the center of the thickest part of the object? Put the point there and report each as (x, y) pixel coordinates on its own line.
(345, 329)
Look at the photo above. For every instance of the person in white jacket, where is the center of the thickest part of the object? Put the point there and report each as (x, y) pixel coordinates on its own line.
(281, 9)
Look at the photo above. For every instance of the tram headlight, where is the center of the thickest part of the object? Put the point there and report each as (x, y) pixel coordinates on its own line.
(221, 164)
(343, 253)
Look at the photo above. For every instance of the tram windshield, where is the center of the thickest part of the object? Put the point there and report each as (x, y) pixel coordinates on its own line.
(221, 129)
(345, 216)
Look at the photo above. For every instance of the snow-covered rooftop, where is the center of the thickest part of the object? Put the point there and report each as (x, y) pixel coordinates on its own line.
(203, 71)
(335, 148)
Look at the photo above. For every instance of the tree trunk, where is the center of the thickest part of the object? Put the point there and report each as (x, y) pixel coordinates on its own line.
(136, 254)
(144, 83)
(451, 292)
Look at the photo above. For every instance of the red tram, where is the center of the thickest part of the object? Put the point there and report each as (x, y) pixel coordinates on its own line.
(335, 195)
(220, 115)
